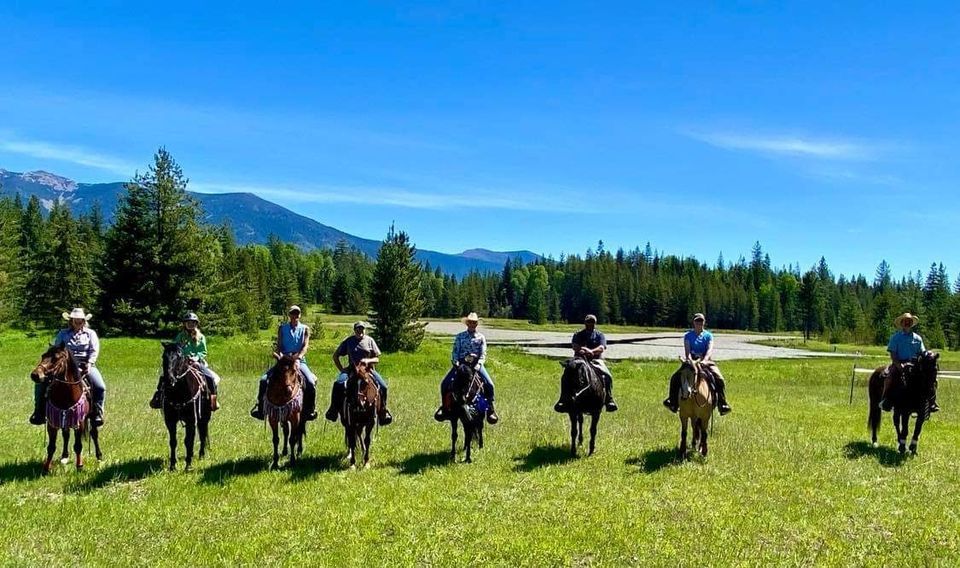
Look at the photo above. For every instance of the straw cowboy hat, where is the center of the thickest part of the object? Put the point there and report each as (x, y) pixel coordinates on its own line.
(76, 313)
(906, 316)
(472, 316)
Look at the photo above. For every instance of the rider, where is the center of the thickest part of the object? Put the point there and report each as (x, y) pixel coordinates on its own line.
(905, 345)
(194, 345)
(293, 340)
(589, 344)
(360, 349)
(469, 346)
(84, 345)
(698, 345)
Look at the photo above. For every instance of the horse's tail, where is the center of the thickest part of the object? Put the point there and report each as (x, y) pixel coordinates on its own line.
(875, 391)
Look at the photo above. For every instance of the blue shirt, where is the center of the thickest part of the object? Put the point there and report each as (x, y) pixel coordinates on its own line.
(699, 344)
(589, 339)
(905, 346)
(291, 338)
(466, 343)
(84, 345)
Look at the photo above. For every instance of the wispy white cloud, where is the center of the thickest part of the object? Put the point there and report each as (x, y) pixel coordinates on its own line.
(791, 145)
(65, 153)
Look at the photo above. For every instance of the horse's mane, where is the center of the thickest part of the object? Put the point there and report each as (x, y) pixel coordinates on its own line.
(72, 366)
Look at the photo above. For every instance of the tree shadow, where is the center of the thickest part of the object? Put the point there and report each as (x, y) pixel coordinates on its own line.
(542, 456)
(311, 466)
(124, 472)
(654, 460)
(222, 472)
(20, 471)
(887, 457)
(417, 464)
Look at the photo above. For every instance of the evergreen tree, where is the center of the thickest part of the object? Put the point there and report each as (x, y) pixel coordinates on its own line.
(11, 266)
(396, 300)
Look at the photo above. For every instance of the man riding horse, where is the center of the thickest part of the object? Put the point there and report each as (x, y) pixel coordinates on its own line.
(194, 345)
(698, 344)
(84, 344)
(360, 349)
(905, 346)
(589, 344)
(470, 347)
(293, 340)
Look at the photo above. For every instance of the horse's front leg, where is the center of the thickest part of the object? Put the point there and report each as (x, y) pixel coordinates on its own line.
(294, 427)
(703, 438)
(286, 437)
(580, 429)
(915, 440)
(453, 439)
(188, 440)
(682, 450)
(51, 447)
(468, 442)
(900, 425)
(65, 454)
(594, 421)
(573, 435)
(203, 432)
(172, 432)
(275, 437)
(352, 446)
(95, 437)
(366, 446)
(78, 447)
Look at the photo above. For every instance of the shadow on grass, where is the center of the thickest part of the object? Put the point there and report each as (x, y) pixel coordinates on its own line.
(417, 464)
(20, 471)
(134, 470)
(543, 456)
(222, 472)
(887, 457)
(655, 460)
(311, 466)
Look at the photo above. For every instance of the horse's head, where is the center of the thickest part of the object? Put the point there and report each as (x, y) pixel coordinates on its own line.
(689, 374)
(574, 372)
(286, 371)
(55, 362)
(174, 363)
(367, 392)
(922, 373)
(463, 378)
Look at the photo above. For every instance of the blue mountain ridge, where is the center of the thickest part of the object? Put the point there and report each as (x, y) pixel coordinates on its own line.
(252, 219)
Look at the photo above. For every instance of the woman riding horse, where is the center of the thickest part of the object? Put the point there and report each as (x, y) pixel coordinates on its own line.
(84, 345)
(194, 345)
(698, 345)
(184, 400)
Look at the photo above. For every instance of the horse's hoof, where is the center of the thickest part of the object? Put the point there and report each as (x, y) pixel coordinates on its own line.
(366, 465)
(172, 468)
(913, 449)
(875, 444)
(188, 468)
(64, 461)
(353, 467)
(902, 449)
(99, 456)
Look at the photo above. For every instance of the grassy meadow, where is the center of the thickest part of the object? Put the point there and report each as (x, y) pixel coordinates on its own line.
(791, 478)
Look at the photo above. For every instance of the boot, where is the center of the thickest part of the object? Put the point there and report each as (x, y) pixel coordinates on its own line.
(336, 402)
(885, 404)
(443, 412)
(611, 405)
(257, 410)
(39, 416)
(384, 417)
(492, 417)
(672, 400)
(560, 406)
(721, 389)
(96, 415)
(310, 403)
(156, 402)
(934, 407)
(214, 405)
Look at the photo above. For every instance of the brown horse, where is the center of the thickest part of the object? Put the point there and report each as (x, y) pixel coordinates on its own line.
(583, 390)
(696, 406)
(185, 400)
(469, 408)
(359, 414)
(283, 405)
(68, 404)
(912, 396)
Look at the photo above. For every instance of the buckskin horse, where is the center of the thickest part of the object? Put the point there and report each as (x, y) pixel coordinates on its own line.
(68, 404)
(359, 414)
(468, 406)
(185, 400)
(583, 390)
(696, 406)
(283, 406)
(919, 379)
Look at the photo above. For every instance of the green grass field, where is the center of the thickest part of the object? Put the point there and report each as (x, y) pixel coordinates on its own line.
(791, 478)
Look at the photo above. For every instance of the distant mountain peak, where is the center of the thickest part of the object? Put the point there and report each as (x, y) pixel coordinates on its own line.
(53, 181)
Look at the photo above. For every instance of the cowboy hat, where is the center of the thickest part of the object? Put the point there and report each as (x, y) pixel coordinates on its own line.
(906, 315)
(76, 313)
(472, 316)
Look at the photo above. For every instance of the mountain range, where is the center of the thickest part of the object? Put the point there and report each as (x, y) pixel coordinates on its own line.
(252, 218)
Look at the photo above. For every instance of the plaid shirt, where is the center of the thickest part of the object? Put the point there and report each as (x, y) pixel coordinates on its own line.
(466, 343)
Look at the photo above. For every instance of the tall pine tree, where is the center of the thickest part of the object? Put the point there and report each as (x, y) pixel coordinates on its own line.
(396, 299)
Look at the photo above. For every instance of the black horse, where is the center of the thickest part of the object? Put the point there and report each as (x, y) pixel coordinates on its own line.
(186, 400)
(468, 407)
(583, 391)
(912, 396)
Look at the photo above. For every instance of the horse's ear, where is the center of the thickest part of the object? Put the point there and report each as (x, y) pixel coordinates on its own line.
(166, 344)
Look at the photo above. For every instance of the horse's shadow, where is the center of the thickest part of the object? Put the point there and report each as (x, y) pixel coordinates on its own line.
(123, 472)
(311, 466)
(20, 471)
(542, 456)
(222, 472)
(654, 460)
(887, 457)
(417, 464)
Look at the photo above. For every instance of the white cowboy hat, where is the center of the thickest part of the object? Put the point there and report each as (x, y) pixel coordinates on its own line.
(472, 316)
(906, 315)
(76, 313)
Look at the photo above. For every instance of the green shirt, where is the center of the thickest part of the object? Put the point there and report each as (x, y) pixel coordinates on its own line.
(190, 347)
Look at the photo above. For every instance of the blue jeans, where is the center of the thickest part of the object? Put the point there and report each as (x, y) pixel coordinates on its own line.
(98, 388)
(341, 381)
(447, 381)
(211, 377)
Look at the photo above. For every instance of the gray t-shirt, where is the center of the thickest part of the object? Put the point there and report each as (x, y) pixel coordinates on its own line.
(357, 349)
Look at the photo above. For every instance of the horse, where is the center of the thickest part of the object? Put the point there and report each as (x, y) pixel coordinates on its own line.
(469, 406)
(361, 404)
(583, 389)
(186, 400)
(68, 405)
(696, 406)
(283, 405)
(912, 397)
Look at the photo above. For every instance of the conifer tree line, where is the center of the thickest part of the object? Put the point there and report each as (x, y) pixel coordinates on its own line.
(159, 259)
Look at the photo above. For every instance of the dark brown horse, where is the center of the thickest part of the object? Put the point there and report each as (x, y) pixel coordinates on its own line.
(696, 405)
(283, 406)
(68, 404)
(911, 396)
(185, 400)
(583, 390)
(468, 408)
(359, 415)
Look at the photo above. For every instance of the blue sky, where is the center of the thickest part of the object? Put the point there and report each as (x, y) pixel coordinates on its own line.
(818, 129)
